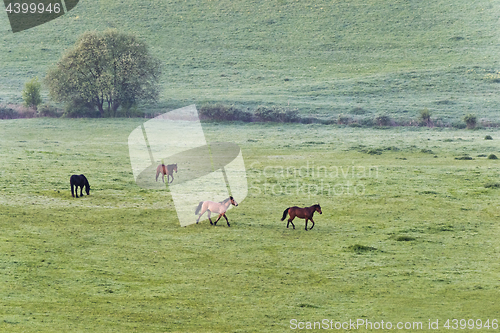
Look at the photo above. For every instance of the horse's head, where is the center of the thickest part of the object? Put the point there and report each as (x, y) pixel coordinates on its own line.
(318, 208)
(233, 202)
(87, 187)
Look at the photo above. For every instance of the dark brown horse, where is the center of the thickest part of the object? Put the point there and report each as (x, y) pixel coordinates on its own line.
(303, 213)
(79, 181)
(166, 170)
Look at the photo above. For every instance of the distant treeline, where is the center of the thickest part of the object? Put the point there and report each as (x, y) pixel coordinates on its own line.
(277, 114)
(221, 112)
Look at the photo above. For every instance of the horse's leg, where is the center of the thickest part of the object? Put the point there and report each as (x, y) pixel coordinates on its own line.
(290, 219)
(312, 223)
(172, 175)
(218, 218)
(210, 213)
(306, 223)
(81, 191)
(226, 220)
(73, 193)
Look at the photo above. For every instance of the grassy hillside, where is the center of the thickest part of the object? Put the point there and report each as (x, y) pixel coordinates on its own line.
(418, 241)
(323, 58)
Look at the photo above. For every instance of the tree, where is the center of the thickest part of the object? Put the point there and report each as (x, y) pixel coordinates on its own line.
(425, 117)
(109, 69)
(31, 93)
(470, 120)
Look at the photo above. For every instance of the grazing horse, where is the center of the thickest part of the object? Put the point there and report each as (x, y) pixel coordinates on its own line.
(215, 207)
(166, 170)
(79, 181)
(303, 213)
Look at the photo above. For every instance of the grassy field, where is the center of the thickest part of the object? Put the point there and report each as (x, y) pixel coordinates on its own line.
(409, 231)
(322, 58)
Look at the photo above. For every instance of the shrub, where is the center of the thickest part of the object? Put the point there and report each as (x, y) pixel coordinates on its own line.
(343, 120)
(277, 114)
(404, 238)
(488, 137)
(374, 151)
(222, 112)
(383, 120)
(241, 115)
(492, 157)
(129, 110)
(425, 117)
(329, 121)
(358, 248)
(215, 112)
(458, 125)
(470, 120)
(48, 111)
(79, 109)
(313, 120)
(489, 123)
(492, 185)
(12, 111)
(8, 113)
(31, 93)
(366, 122)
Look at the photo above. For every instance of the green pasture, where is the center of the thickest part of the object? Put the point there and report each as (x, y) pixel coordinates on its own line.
(322, 58)
(409, 231)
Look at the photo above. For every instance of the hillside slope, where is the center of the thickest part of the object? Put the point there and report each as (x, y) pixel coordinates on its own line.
(323, 58)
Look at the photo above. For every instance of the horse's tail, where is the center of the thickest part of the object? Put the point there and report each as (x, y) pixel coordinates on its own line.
(198, 208)
(284, 213)
(157, 172)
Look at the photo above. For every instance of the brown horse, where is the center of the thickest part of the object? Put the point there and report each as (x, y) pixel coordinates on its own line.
(303, 213)
(215, 207)
(166, 170)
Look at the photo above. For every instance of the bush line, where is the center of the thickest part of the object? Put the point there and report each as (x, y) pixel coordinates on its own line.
(276, 114)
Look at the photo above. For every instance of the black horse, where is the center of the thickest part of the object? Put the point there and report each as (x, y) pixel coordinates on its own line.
(79, 181)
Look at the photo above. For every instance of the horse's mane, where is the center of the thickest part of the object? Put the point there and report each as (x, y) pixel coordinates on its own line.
(223, 202)
(85, 182)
